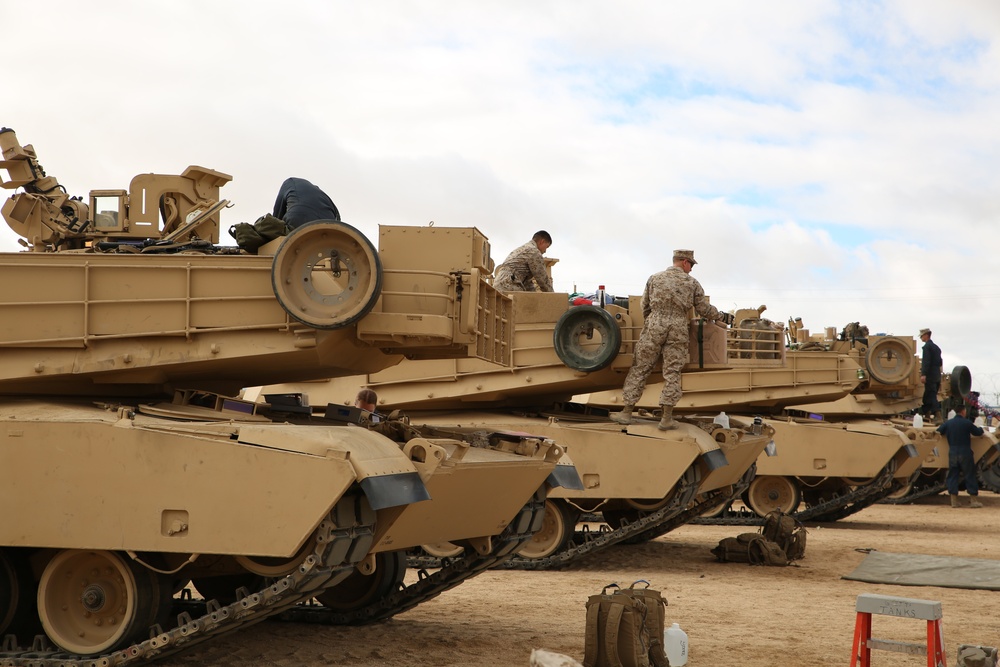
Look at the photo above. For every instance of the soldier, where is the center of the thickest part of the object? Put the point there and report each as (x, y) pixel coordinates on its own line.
(299, 202)
(930, 374)
(961, 460)
(367, 399)
(525, 263)
(666, 301)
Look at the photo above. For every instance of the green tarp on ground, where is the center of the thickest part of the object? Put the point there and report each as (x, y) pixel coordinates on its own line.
(879, 567)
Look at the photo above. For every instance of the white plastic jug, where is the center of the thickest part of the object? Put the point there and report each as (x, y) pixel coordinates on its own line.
(918, 420)
(722, 419)
(675, 641)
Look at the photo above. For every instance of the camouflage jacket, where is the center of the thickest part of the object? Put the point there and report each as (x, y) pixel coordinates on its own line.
(523, 264)
(670, 294)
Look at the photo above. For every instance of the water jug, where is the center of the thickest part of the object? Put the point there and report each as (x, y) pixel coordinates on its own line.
(918, 421)
(600, 298)
(675, 641)
(722, 419)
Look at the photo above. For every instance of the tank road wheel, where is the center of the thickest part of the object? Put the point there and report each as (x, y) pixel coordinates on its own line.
(889, 361)
(269, 566)
(587, 338)
(443, 549)
(94, 602)
(18, 604)
(558, 526)
(718, 510)
(961, 381)
(771, 492)
(360, 590)
(326, 274)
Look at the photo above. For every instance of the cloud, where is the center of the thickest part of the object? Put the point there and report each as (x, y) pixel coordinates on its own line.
(834, 160)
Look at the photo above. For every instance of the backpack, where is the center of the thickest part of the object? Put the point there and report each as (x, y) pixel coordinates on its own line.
(251, 237)
(625, 628)
(787, 532)
(757, 549)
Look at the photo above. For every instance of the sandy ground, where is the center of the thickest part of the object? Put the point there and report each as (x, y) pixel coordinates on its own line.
(733, 613)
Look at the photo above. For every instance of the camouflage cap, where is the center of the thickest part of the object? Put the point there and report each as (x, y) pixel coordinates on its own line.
(924, 331)
(685, 254)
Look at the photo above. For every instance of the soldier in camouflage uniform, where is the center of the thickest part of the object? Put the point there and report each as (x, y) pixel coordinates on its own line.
(526, 262)
(666, 302)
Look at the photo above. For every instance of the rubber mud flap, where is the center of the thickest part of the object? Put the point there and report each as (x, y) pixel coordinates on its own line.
(589, 323)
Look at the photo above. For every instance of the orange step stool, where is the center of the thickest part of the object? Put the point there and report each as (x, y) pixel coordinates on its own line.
(885, 605)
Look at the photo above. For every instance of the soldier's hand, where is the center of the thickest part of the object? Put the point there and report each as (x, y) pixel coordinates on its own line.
(728, 318)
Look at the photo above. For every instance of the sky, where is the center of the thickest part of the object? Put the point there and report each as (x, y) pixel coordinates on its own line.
(834, 161)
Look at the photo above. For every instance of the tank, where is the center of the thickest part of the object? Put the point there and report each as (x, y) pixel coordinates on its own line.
(898, 408)
(127, 335)
(824, 470)
(643, 482)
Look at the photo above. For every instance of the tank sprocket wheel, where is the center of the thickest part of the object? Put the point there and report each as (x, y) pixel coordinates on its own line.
(890, 360)
(18, 602)
(679, 497)
(361, 590)
(586, 338)
(558, 526)
(989, 478)
(773, 492)
(94, 602)
(326, 274)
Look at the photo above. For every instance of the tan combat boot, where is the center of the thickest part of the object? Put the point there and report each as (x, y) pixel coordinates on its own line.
(623, 417)
(974, 502)
(667, 422)
(954, 501)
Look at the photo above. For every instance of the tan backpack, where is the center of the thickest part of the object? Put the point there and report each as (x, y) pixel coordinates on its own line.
(625, 628)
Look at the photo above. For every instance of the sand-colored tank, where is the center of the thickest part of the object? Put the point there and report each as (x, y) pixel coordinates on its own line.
(898, 408)
(835, 468)
(643, 480)
(131, 467)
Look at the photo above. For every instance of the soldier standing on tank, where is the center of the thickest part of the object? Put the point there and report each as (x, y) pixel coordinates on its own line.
(961, 461)
(930, 375)
(668, 298)
(299, 202)
(523, 264)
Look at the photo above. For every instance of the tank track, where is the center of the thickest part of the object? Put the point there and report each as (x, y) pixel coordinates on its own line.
(586, 542)
(986, 472)
(930, 486)
(337, 552)
(833, 509)
(451, 572)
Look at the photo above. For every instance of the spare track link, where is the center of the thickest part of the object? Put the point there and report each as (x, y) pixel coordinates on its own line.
(586, 542)
(451, 572)
(343, 540)
(834, 509)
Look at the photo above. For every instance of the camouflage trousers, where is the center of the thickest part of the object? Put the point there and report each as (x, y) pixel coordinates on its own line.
(668, 341)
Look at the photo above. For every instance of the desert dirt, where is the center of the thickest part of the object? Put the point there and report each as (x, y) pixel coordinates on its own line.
(753, 616)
